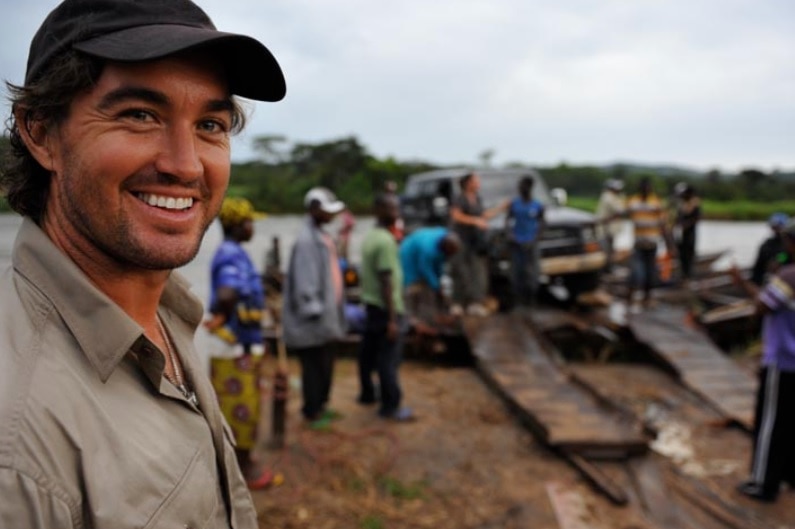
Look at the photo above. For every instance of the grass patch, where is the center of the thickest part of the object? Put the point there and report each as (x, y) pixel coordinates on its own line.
(357, 485)
(396, 489)
(372, 521)
(748, 210)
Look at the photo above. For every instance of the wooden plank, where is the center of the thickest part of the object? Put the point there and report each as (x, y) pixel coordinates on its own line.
(570, 508)
(700, 364)
(559, 412)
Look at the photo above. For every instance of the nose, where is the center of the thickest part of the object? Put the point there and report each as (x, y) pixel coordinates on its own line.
(179, 155)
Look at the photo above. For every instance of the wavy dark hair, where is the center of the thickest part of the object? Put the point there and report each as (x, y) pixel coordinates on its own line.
(23, 181)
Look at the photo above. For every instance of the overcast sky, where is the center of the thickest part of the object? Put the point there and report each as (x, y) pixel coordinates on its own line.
(699, 83)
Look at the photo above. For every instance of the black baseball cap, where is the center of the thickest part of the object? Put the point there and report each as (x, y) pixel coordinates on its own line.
(142, 30)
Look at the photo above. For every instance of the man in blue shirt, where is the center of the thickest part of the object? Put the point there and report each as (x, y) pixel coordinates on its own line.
(422, 256)
(524, 225)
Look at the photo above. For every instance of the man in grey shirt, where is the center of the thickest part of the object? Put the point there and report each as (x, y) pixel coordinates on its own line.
(121, 139)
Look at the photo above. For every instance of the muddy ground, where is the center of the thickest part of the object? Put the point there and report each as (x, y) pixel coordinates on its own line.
(467, 462)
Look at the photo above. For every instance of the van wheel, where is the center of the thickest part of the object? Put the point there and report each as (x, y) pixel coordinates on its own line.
(576, 284)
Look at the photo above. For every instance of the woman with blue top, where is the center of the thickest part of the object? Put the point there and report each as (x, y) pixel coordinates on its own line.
(237, 303)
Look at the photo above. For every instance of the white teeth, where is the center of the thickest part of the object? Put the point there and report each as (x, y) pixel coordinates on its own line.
(166, 202)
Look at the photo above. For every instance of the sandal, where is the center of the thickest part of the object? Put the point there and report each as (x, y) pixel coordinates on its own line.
(323, 424)
(264, 480)
(331, 415)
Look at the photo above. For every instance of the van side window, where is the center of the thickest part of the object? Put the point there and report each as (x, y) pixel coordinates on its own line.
(428, 189)
(412, 190)
(445, 189)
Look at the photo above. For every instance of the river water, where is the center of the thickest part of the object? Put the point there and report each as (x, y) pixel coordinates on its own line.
(739, 239)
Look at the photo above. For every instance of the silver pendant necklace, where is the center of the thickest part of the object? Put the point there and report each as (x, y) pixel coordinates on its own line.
(179, 380)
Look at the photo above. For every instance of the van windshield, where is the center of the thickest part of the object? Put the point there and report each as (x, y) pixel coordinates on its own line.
(496, 187)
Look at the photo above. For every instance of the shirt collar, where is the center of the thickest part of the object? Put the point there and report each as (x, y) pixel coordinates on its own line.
(103, 330)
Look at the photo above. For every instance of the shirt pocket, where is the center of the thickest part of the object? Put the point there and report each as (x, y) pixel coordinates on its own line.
(193, 502)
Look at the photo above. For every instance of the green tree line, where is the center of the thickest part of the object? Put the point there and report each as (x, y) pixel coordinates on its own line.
(284, 171)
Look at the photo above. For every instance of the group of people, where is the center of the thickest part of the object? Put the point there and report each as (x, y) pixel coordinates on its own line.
(524, 226)
(313, 315)
(651, 227)
(120, 137)
(771, 285)
(401, 287)
(313, 312)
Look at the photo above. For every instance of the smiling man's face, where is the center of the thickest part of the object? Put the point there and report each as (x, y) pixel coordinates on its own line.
(141, 164)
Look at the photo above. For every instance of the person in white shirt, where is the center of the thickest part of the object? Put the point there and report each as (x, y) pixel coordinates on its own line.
(610, 212)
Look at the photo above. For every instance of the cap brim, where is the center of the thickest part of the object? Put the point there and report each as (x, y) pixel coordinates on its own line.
(252, 69)
(333, 208)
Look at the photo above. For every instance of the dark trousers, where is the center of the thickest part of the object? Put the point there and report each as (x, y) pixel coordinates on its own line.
(774, 430)
(687, 253)
(378, 354)
(525, 269)
(644, 268)
(317, 367)
(470, 274)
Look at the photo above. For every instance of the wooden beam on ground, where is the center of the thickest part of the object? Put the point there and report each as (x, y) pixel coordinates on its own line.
(569, 506)
(598, 479)
(653, 494)
(725, 510)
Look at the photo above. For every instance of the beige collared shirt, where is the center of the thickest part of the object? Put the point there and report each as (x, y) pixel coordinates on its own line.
(92, 435)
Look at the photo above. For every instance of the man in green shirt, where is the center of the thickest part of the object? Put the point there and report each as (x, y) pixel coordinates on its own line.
(382, 343)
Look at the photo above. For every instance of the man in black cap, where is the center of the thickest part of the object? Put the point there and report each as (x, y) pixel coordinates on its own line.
(121, 147)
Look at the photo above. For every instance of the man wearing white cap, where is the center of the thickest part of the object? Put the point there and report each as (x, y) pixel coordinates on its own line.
(610, 212)
(313, 315)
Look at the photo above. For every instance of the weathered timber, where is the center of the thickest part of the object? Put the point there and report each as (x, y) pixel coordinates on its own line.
(699, 364)
(598, 478)
(720, 507)
(570, 508)
(654, 496)
(510, 356)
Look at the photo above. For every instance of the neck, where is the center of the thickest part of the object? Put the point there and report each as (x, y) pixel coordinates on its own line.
(135, 290)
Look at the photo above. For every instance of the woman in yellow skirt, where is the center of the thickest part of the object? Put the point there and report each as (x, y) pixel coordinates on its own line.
(237, 303)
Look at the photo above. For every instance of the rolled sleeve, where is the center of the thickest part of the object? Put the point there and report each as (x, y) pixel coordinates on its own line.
(777, 294)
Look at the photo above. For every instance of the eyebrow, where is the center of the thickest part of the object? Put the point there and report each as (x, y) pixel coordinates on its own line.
(138, 93)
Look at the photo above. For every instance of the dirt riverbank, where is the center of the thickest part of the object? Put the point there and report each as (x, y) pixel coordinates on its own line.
(467, 463)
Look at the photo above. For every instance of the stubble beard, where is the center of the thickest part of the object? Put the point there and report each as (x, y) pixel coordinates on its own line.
(114, 234)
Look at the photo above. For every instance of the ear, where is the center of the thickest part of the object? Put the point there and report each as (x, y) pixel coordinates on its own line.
(36, 136)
